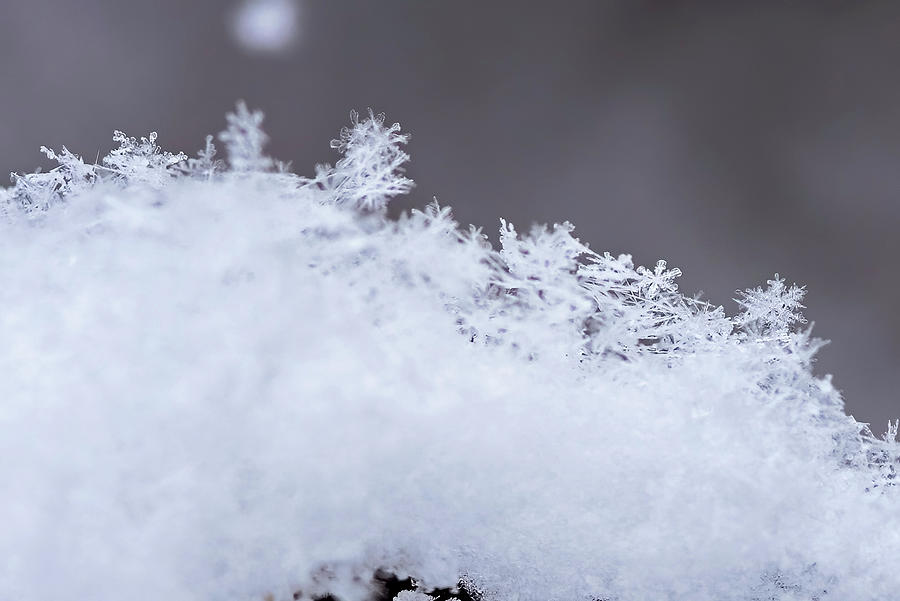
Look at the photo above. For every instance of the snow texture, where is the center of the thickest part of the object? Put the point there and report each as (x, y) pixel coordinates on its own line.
(226, 381)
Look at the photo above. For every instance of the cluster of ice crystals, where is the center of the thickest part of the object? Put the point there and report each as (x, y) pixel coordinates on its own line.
(141, 162)
(38, 191)
(207, 398)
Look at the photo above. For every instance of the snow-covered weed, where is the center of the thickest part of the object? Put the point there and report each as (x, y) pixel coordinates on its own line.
(227, 383)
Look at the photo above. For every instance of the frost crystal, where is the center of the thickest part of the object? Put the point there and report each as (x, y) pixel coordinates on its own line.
(207, 398)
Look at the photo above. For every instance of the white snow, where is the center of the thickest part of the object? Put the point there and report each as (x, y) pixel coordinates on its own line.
(223, 383)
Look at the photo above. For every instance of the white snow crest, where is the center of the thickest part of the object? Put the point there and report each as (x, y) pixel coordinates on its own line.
(228, 382)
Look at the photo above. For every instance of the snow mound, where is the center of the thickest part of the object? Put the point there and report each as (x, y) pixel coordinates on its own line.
(226, 381)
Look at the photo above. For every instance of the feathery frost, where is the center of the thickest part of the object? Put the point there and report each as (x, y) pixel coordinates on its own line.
(208, 398)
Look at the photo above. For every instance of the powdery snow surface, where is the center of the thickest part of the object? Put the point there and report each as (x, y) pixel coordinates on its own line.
(232, 382)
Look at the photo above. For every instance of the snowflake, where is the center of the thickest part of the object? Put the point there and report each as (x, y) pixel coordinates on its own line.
(659, 281)
(770, 312)
(371, 169)
(206, 165)
(245, 139)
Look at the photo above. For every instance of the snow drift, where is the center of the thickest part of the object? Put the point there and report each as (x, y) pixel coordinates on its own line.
(226, 381)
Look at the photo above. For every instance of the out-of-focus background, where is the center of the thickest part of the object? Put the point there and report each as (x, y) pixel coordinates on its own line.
(734, 139)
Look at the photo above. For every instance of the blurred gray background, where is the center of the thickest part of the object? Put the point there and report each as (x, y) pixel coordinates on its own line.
(734, 139)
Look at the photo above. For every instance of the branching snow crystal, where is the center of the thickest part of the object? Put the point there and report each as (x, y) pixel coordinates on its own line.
(370, 172)
(771, 312)
(658, 281)
(541, 279)
(206, 165)
(207, 398)
(244, 140)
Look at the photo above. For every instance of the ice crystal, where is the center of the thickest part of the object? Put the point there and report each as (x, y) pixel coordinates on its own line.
(773, 311)
(245, 139)
(370, 171)
(206, 165)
